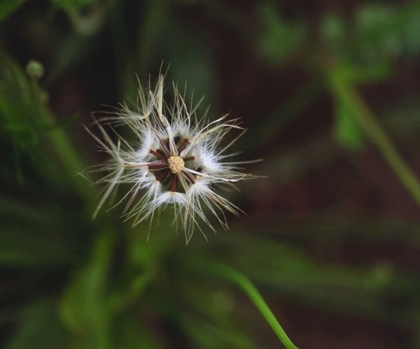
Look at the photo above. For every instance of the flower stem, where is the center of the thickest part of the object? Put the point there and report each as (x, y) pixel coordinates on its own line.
(251, 291)
(348, 95)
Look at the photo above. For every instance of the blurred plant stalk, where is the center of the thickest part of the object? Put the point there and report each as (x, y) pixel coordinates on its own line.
(342, 87)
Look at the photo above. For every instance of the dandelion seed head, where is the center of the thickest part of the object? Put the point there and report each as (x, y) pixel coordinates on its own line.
(171, 158)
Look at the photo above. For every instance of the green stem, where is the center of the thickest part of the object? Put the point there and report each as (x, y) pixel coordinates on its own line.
(83, 307)
(365, 118)
(251, 291)
(66, 152)
(98, 273)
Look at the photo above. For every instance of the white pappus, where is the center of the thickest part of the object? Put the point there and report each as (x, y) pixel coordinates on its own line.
(173, 159)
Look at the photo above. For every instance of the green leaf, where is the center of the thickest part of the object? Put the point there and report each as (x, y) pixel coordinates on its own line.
(7, 7)
(24, 111)
(83, 308)
(73, 4)
(25, 248)
(333, 31)
(33, 237)
(205, 335)
(384, 31)
(191, 63)
(129, 290)
(280, 38)
(132, 335)
(39, 327)
(346, 131)
(379, 71)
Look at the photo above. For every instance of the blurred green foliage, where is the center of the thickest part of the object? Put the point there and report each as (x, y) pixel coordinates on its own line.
(280, 38)
(83, 284)
(8, 6)
(74, 4)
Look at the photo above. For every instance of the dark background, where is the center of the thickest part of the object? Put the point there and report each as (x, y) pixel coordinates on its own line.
(330, 93)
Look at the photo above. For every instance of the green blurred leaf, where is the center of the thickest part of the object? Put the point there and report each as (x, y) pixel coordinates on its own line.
(73, 4)
(23, 248)
(271, 124)
(21, 113)
(208, 336)
(31, 237)
(378, 31)
(346, 131)
(7, 7)
(24, 111)
(156, 18)
(370, 73)
(333, 31)
(21, 130)
(191, 66)
(129, 289)
(83, 308)
(39, 327)
(132, 335)
(387, 32)
(220, 329)
(280, 38)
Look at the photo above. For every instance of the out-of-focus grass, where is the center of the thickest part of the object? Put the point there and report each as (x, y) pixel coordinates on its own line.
(69, 282)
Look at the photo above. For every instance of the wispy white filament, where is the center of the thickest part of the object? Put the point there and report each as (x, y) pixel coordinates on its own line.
(173, 159)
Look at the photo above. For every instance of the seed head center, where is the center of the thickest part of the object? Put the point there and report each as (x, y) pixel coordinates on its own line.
(176, 164)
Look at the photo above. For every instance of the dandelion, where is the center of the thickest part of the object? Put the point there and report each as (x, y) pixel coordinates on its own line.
(174, 159)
